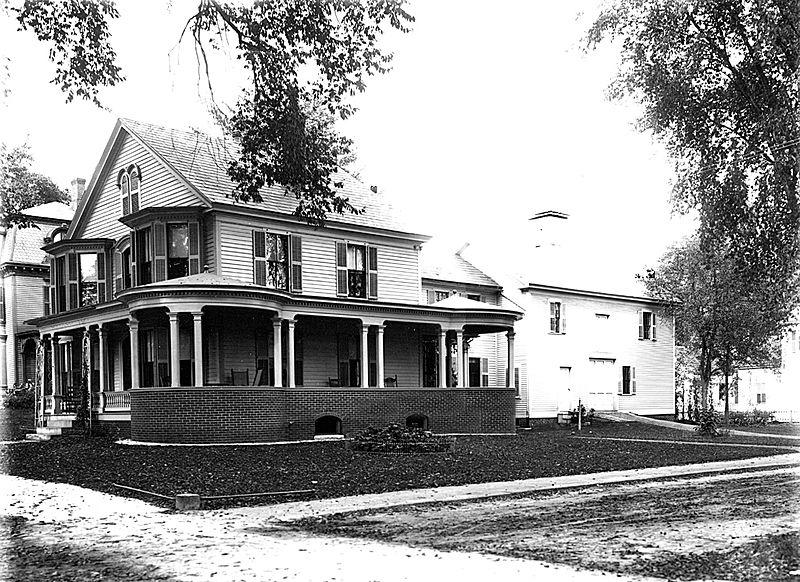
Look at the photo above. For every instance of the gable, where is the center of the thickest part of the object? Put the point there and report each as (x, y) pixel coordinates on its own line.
(99, 218)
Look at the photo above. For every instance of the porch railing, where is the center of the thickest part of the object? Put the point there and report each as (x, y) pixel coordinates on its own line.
(115, 401)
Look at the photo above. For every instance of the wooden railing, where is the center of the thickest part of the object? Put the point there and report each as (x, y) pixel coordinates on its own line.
(116, 401)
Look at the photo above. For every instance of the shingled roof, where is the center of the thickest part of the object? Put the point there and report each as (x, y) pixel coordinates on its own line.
(442, 265)
(24, 245)
(202, 161)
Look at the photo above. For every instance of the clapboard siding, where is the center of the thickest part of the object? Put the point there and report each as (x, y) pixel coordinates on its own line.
(397, 265)
(402, 354)
(209, 257)
(159, 187)
(587, 337)
(489, 296)
(320, 352)
(28, 301)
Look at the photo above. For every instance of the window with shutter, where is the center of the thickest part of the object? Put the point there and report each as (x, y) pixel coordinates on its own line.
(259, 258)
(45, 300)
(72, 274)
(160, 251)
(296, 244)
(117, 271)
(633, 379)
(653, 326)
(134, 254)
(341, 268)
(372, 266)
(641, 324)
(647, 325)
(101, 278)
(61, 283)
(484, 372)
(628, 383)
(556, 317)
(194, 248)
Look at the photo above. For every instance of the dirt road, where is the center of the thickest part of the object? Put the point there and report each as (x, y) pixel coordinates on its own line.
(732, 526)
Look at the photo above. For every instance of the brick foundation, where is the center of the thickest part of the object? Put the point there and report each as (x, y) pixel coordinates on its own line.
(231, 415)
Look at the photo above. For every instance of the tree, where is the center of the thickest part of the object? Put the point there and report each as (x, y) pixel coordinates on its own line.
(725, 321)
(304, 58)
(719, 85)
(20, 188)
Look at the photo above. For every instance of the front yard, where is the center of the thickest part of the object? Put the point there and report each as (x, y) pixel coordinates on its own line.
(331, 469)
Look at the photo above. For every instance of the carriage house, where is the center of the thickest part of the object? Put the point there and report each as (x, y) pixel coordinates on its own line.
(199, 320)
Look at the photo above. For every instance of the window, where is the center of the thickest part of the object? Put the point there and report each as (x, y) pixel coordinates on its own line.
(647, 325)
(129, 183)
(558, 319)
(144, 256)
(277, 260)
(484, 372)
(628, 382)
(761, 398)
(356, 270)
(61, 284)
(177, 250)
(516, 380)
(88, 279)
(473, 297)
(125, 268)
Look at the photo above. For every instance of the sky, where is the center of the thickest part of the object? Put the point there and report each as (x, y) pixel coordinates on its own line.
(492, 112)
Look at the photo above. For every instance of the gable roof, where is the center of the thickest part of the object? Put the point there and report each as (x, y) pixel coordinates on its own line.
(202, 161)
(436, 263)
(52, 210)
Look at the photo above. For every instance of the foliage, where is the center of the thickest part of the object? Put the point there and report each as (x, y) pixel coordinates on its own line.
(77, 31)
(20, 188)
(395, 438)
(708, 425)
(303, 60)
(751, 418)
(587, 416)
(718, 82)
(20, 397)
(722, 319)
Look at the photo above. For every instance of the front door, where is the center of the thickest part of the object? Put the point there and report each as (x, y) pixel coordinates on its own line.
(601, 387)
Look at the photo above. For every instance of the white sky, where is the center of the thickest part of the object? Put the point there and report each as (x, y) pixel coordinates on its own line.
(491, 113)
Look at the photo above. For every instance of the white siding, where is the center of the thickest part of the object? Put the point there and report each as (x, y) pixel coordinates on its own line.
(28, 300)
(545, 353)
(158, 188)
(397, 265)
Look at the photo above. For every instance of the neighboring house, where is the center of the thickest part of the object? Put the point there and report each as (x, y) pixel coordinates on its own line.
(200, 319)
(582, 338)
(772, 389)
(25, 271)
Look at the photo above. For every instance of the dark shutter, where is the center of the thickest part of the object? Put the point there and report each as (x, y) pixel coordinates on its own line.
(653, 328)
(160, 251)
(117, 271)
(372, 272)
(641, 324)
(194, 248)
(431, 296)
(53, 304)
(633, 379)
(341, 268)
(563, 318)
(134, 261)
(45, 300)
(259, 257)
(296, 244)
(101, 278)
(72, 277)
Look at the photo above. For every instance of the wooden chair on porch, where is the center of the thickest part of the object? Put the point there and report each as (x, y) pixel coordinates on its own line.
(390, 381)
(240, 377)
(334, 382)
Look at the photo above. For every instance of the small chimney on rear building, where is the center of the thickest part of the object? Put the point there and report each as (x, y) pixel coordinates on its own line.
(78, 188)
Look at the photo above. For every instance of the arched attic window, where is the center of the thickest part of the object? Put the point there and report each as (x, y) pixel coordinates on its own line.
(129, 182)
(57, 234)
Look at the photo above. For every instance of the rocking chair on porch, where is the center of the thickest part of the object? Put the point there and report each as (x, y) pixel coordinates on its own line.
(390, 381)
(240, 377)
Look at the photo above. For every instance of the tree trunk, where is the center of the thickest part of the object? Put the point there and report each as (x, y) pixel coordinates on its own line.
(727, 385)
(705, 375)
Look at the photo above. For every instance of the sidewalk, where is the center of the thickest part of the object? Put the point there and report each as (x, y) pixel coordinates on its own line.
(630, 417)
(302, 509)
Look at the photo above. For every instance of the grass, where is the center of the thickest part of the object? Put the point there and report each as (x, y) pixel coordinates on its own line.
(332, 470)
(15, 423)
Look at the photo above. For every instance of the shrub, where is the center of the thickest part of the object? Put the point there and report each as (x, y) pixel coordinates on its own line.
(708, 424)
(751, 417)
(587, 416)
(395, 438)
(21, 397)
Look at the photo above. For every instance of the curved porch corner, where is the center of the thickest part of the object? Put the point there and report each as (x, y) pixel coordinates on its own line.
(232, 414)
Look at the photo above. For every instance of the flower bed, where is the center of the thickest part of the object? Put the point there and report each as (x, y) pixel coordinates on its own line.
(397, 439)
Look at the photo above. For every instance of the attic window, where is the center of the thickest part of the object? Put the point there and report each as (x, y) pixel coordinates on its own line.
(129, 182)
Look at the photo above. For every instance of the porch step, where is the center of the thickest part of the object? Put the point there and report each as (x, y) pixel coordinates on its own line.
(35, 436)
(49, 430)
(63, 421)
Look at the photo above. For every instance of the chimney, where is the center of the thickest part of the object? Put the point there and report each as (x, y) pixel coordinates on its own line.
(78, 188)
(549, 228)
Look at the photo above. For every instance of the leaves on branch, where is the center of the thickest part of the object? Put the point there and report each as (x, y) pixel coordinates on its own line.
(77, 31)
(20, 188)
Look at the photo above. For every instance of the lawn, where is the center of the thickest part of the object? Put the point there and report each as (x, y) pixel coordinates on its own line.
(15, 423)
(332, 470)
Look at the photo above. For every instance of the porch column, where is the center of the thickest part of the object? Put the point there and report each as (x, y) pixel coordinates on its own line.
(133, 327)
(379, 353)
(197, 316)
(53, 363)
(443, 358)
(510, 336)
(290, 352)
(364, 356)
(86, 360)
(3, 356)
(277, 354)
(460, 357)
(103, 347)
(174, 350)
(466, 362)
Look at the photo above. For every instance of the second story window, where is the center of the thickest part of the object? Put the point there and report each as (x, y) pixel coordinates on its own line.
(647, 325)
(144, 257)
(558, 318)
(277, 260)
(177, 250)
(129, 182)
(87, 292)
(356, 270)
(60, 302)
